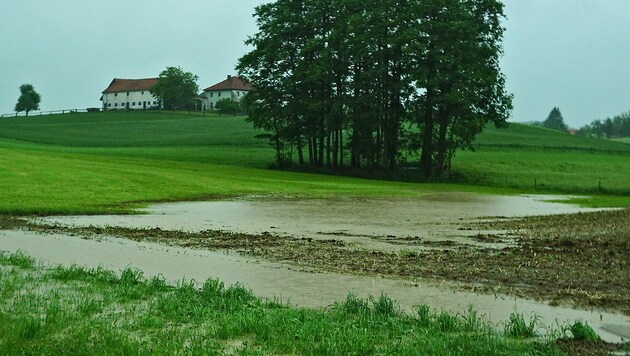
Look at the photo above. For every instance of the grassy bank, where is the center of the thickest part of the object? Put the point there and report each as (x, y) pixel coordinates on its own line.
(113, 162)
(51, 310)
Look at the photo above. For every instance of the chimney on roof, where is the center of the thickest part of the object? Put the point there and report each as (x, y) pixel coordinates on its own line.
(229, 76)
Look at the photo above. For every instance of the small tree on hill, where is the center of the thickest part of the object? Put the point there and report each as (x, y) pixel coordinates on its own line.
(555, 121)
(228, 106)
(175, 88)
(29, 99)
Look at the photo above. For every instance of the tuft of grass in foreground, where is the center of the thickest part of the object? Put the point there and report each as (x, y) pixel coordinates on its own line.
(82, 311)
(517, 327)
(582, 331)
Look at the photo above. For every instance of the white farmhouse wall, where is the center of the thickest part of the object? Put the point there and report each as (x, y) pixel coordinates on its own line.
(135, 99)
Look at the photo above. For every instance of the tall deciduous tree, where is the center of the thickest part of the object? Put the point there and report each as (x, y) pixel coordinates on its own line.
(555, 121)
(176, 89)
(457, 68)
(29, 99)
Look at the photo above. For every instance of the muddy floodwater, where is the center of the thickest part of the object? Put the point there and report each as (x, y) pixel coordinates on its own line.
(293, 267)
(269, 280)
(378, 223)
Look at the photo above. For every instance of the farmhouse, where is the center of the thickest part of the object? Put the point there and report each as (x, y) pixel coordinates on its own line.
(129, 94)
(233, 88)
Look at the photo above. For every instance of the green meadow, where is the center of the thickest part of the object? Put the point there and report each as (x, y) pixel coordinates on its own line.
(87, 163)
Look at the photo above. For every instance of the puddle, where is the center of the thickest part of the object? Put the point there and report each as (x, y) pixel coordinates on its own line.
(376, 223)
(269, 280)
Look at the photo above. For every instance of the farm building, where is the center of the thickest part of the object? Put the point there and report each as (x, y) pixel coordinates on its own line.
(129, 94)
(233, 88)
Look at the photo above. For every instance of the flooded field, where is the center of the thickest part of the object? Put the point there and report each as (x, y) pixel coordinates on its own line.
(299, 288)
(384, 224)
(447, 250)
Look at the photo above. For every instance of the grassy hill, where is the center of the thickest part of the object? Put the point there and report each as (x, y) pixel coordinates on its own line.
(528, 157)
(527, 136)
(95, 162)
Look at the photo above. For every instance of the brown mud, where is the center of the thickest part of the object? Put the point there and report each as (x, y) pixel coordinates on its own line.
(580, 260)
(386, 224)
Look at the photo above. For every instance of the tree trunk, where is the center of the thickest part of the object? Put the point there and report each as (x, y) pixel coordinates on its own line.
(300, 151)
(427, 137)
(442, 146)
(311, 156)
(340, 148)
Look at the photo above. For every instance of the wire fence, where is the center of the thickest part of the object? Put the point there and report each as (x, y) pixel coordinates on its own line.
(53, 112)
(68, 111)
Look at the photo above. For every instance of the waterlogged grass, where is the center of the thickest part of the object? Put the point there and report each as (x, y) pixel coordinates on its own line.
(82, 311)
(518, 327)
(582, 331)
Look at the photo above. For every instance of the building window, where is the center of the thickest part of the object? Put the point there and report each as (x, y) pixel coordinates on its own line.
(115, 94)
(116, 104)
(211, 95)
(133, 104)
(109, 105)
(127, 93)
(142, 93)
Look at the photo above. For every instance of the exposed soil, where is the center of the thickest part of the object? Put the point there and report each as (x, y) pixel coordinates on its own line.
(576, 259)
(573, 347)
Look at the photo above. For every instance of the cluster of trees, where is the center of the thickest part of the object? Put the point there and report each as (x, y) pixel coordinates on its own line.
(373, 79)
(618, 126)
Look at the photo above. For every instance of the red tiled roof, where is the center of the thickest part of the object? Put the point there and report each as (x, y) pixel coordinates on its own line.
(231, 83)
(122, 85)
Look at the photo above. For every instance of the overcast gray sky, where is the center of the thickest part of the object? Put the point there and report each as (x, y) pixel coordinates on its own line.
(574, 54)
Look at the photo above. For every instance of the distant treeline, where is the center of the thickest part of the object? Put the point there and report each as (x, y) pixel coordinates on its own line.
(618, 126)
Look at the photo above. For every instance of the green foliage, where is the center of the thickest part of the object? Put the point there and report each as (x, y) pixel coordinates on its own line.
(17, 259)
(384, 306)
(555, 121)
(618, 126)
(29, 99)
(517, 327)
(582, 331)
(337, 76)
(228, 106)
(355, 305)
(175, 88)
